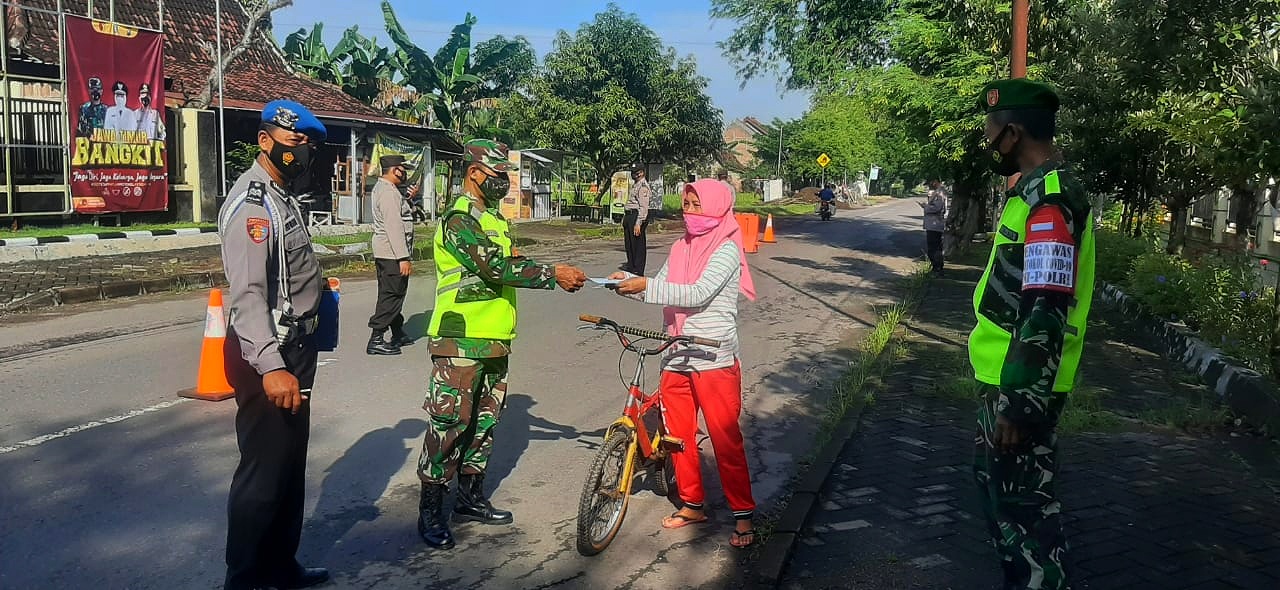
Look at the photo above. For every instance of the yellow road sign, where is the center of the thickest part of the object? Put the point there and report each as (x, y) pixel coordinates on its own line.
(824, 159)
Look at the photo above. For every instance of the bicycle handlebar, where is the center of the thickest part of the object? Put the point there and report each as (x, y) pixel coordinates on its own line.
(639, 333)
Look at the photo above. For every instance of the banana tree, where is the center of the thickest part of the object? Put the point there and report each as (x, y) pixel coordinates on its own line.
(446, 76)
(309, 55)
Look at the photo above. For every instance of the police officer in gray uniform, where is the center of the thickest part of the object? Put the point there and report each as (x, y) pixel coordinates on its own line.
(275, 288)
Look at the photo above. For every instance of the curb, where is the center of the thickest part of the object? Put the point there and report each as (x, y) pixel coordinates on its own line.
(133, 287)
(776, 554)
(59, 296)
(108, 235)
(1251, 397)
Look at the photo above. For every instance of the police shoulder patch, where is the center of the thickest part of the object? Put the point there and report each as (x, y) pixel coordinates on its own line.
(257, 193)
(258, 228)
(1049, 257)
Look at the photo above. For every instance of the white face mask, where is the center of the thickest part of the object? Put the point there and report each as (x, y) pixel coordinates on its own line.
(121, 100)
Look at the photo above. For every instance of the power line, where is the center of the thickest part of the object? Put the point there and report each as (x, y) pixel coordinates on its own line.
(508, 33)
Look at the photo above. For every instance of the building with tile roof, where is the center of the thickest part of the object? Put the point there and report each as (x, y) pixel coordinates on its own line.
(259, 75)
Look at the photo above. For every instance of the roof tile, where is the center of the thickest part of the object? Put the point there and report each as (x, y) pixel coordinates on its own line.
(257, 77)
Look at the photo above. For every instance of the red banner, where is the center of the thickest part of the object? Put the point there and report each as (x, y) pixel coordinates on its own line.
(115, 89)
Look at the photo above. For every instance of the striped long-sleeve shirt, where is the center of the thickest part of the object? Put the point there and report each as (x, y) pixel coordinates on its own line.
(712, 304)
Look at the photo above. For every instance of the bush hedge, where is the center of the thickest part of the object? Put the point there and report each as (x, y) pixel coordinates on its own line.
(1222, 298)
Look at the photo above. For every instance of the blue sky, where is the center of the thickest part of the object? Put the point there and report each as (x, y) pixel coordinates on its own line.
(685, 25)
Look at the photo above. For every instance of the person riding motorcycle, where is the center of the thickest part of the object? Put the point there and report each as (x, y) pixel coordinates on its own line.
(828, 197)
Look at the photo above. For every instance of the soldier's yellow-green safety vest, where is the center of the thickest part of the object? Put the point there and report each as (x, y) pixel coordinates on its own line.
(997, 296)
(467, 306)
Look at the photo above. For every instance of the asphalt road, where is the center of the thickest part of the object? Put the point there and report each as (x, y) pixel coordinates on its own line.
(111, 481)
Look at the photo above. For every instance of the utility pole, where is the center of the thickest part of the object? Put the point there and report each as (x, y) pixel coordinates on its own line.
(222, 111)
(1018, 56)
(1018, 59)
(779, 150)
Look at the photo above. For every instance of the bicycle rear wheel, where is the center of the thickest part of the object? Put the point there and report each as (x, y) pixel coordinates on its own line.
(603, 505)
(664, 476)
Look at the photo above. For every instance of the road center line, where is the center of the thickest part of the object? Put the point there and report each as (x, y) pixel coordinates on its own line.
(39, 440)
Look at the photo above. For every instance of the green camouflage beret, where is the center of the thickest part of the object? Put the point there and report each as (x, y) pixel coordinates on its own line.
(487, 152)
(1017, 94)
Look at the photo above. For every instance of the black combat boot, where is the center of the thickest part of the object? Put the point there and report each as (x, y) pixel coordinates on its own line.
(379, 346)
(399, 338)
(432, 526)
(472, 505)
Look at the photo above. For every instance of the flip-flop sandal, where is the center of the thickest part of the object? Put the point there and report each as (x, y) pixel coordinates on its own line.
(736, 539)
(684, 520)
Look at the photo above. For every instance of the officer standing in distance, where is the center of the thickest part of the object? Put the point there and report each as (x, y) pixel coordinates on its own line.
(472, 326)
(392, 246)
(1031, 305)
(270, 356)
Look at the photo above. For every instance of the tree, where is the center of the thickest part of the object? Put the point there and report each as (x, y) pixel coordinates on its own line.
(258, 14)
(612, 92)
(839, 126)
(454, 79)
(509, 65)
(358, 64)
(815, 39)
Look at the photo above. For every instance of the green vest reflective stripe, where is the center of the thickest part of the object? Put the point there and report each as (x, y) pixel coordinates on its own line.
(996, 299)
(467, 306)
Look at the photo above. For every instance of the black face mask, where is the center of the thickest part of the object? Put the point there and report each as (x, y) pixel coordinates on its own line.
(1002, 163)
(292, 162)
(495, 188)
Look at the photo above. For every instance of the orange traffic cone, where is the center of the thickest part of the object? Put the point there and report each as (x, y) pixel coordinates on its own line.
(768, 231)
(211, 381)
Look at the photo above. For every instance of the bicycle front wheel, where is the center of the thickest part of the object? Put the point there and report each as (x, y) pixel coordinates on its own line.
(604, 499)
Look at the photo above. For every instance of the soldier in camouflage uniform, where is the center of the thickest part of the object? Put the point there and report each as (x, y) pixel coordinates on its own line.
(471, 330)
(1031, 306)
(93, 114)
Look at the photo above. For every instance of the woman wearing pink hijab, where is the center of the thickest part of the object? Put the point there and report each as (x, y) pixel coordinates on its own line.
(698, 287)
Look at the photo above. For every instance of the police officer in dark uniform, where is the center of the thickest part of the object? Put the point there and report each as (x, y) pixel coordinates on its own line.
(275, 289)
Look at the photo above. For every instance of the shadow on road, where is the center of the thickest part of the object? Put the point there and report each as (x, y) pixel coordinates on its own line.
(516, 428)
(355, 482)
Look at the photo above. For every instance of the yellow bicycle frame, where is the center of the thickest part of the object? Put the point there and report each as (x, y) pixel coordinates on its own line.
(629, 468)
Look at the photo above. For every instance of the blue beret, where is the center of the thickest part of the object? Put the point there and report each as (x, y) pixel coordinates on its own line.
(290, 115)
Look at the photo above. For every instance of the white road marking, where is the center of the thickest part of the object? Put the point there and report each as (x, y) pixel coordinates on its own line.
(39, 440)
(323, 362)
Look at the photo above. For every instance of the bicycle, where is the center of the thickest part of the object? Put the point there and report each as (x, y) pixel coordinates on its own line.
(637, 439)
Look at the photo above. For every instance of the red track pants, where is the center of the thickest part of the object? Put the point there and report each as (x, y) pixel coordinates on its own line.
(718, 393)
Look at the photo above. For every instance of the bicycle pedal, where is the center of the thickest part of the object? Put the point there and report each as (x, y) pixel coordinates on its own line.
(673, 442)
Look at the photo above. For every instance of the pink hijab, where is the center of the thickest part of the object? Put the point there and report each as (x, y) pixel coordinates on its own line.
(690, 254)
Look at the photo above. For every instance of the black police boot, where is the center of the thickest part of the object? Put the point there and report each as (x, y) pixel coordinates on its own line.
(432, 526)
(302, 577)
(472, 505)
(399, 338)
(379, 346)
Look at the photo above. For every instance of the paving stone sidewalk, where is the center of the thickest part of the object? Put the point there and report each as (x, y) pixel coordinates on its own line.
(1145, 506)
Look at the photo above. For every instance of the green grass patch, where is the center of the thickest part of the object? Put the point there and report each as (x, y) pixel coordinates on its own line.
(1084, 413)
(603, 232)
(779, 210)
(85, 228)
(1190, 415)
(344, 239)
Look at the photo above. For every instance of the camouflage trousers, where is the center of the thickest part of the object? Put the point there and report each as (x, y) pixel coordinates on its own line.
(1019, 500)
(464, 400)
